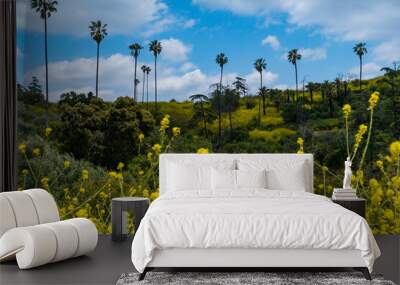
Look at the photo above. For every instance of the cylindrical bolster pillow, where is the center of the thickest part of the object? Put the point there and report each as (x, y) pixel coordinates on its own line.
(41, 244)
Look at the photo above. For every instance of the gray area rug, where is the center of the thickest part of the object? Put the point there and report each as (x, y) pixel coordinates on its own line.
(243, 278)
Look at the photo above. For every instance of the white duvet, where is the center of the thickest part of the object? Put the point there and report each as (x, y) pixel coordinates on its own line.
(250, 219)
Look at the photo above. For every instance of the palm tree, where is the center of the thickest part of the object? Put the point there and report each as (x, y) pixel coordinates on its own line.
(135, 50)
(143, 68)
(261, 65)
(45, 8)
(360, 49)
(98, 31)
(221, 60)
(293, 57)
(155, 47)
(310, 88)
(148, 70)
(200, 99)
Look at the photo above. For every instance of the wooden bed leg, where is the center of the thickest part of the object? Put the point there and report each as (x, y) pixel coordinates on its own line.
(143, 274)
(364, 271)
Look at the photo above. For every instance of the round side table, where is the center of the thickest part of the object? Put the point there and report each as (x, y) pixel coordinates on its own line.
(119, 214)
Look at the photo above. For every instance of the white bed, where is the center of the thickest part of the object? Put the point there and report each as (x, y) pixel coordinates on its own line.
(281, 224)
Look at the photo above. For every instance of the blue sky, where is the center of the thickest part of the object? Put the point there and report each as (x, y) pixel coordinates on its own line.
(193, 32)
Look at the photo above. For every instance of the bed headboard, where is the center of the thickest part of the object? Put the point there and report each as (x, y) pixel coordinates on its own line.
(221, 157)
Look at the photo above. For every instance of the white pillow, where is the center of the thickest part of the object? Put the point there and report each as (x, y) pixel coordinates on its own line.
(251, 178)
(294, 180)
(223, 179)
(282, 174)
(181, 177)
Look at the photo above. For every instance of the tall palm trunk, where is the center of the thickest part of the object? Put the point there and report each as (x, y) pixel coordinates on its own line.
(97, 71)
(47, 71)
(144, 79)
(155, 82)
(360, 70)
(297, 86)
(134, 82)
(311, 97)
(204, 119)
(220, 103)
(262, 93)
(147, 91)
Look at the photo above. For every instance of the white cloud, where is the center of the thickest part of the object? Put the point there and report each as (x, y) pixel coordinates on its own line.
(124, 17)
(253, 80)
(174, 50)
(350, 20)
(369, 70)
(272, 41)
(313, 53)
(189, 23)
(388, 51)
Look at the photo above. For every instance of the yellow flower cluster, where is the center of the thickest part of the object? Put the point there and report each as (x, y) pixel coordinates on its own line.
(22, 148)
(47, 132)
(379, 164)
(164, 124)
(362, 129)
(120, 166)
(45, 182)
(116, 175)
(67, 164)
(176, 131)
(141, 137)
(300, 142)
(373, 100)
(36, 152)
(346, 110)
(25, 172)
(395, 149)
(202, 150)
(156, 148)
(85, 174)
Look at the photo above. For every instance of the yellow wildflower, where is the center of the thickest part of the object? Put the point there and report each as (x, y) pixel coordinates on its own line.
(82, 213)
(154, 195)
(388, 214)
(149, 156)
(113, 174)
(36, 151)
(45, 182)
(85, 174)
(379, 164)
(324, 168)
(67, 164)
(300, 142)
(156, 148)
(47, 132)
(82, 190)
(362, 129)
(346, 110)
(373, 100)
(140, 172)
(395, 149)
(141, 137)
(202, 150)
(164, 124)
(22, 148)
(25, 172)
(176, 131)
(120, 166)
(145, 193)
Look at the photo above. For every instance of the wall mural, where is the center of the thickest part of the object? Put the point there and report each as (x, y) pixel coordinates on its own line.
(105, 88)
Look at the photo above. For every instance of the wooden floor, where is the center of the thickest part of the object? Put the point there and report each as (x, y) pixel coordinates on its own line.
(111, 259)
